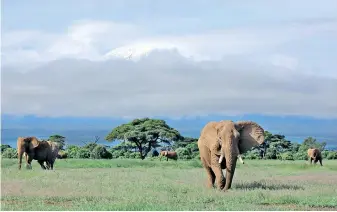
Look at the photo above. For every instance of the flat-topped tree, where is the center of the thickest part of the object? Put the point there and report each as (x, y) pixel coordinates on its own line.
(145, 133)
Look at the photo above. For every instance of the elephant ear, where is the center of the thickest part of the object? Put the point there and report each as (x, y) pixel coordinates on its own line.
(251, 134)
(32, 142)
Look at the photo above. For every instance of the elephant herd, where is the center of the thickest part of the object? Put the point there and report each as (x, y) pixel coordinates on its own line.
(220, 145)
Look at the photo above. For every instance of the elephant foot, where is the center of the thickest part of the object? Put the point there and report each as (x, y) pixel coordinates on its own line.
(209, 185)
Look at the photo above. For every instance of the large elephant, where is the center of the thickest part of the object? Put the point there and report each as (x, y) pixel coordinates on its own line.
(42, 151)
(168, 154)
(315, 154)
(220, 145)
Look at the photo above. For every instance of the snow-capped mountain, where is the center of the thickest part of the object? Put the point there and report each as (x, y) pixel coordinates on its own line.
(139, 50)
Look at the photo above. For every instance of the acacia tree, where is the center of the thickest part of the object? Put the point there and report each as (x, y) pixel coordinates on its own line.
(145, 133)
(58, 139)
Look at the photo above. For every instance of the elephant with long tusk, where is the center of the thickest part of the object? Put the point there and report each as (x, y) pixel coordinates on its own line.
(222, 143)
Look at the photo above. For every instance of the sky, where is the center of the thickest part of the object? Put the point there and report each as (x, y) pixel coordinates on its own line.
(83, 64)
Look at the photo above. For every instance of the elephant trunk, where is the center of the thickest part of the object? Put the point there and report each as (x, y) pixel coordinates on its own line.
(230, 169)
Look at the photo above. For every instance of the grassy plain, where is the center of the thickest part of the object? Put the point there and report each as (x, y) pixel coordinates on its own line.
(161, 185)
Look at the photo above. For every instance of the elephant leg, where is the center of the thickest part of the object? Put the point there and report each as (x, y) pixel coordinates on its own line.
(210, 174)
(41, 164)
(315, 161)
(52, 165)
(320, 161)
(20, 153)
(47, 165)
(29, 162)
(310, 160)
(216, 168)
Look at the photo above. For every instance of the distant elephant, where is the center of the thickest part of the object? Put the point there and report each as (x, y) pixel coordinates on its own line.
(220, 145)
(168, 154)
(315, 154)
(42, 151)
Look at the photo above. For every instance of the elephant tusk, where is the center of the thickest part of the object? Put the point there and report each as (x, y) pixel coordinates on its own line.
(240, 159)
(220, 159)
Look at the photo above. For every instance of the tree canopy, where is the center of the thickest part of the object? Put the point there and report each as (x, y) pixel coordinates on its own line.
(58, 139)
(145, 133)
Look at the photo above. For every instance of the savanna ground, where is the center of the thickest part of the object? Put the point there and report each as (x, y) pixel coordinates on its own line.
(161, 185)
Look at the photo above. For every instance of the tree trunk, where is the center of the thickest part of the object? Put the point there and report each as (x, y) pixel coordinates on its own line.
(141, 152)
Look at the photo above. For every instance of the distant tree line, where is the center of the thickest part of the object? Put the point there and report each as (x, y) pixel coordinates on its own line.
(146, 137)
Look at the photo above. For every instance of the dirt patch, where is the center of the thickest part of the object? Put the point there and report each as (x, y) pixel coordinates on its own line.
(14, 188)
(12, 202)
(63, 203)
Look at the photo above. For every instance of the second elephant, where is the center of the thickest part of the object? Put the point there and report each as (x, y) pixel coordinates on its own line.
(220, 145)
(168, 154)
(42, 151)
(315, 155)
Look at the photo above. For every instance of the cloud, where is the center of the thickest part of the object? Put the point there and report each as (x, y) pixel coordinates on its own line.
(233, 71)
(98, 40)
(174, 86)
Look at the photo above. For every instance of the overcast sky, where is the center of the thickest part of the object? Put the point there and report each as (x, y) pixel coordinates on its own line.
(188, 58)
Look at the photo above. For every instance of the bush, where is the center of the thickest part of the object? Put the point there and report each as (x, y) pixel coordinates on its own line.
(90, 146)
(72, 151)
(192, 147)
(271, 154)
(100, 152)
(126, 154)
(332, 155)
(9, 153)
(196, 155)
(183, 153)
(154, 153)
(4, 147)
(252, 156)
(325, 153)
(115, 154)
(301, 156)
(83, 153)
(287, 156)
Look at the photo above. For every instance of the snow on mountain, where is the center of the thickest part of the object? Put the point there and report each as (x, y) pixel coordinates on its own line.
(138, 50)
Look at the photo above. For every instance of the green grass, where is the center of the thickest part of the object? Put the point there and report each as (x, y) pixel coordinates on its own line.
(161, 185)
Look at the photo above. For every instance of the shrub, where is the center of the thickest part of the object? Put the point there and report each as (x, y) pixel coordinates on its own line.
(154, 153)
(301, 156)
(115, 154)
(9, 153)
(91, 146)
(287, 156)
(183, 153)
(332, 155)
(100, 152)
(126, 154)
(4, 147)
(193, 147)
(72, 151)
(83, 153)
(196, 155)
(325, 153)
(251, 156)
